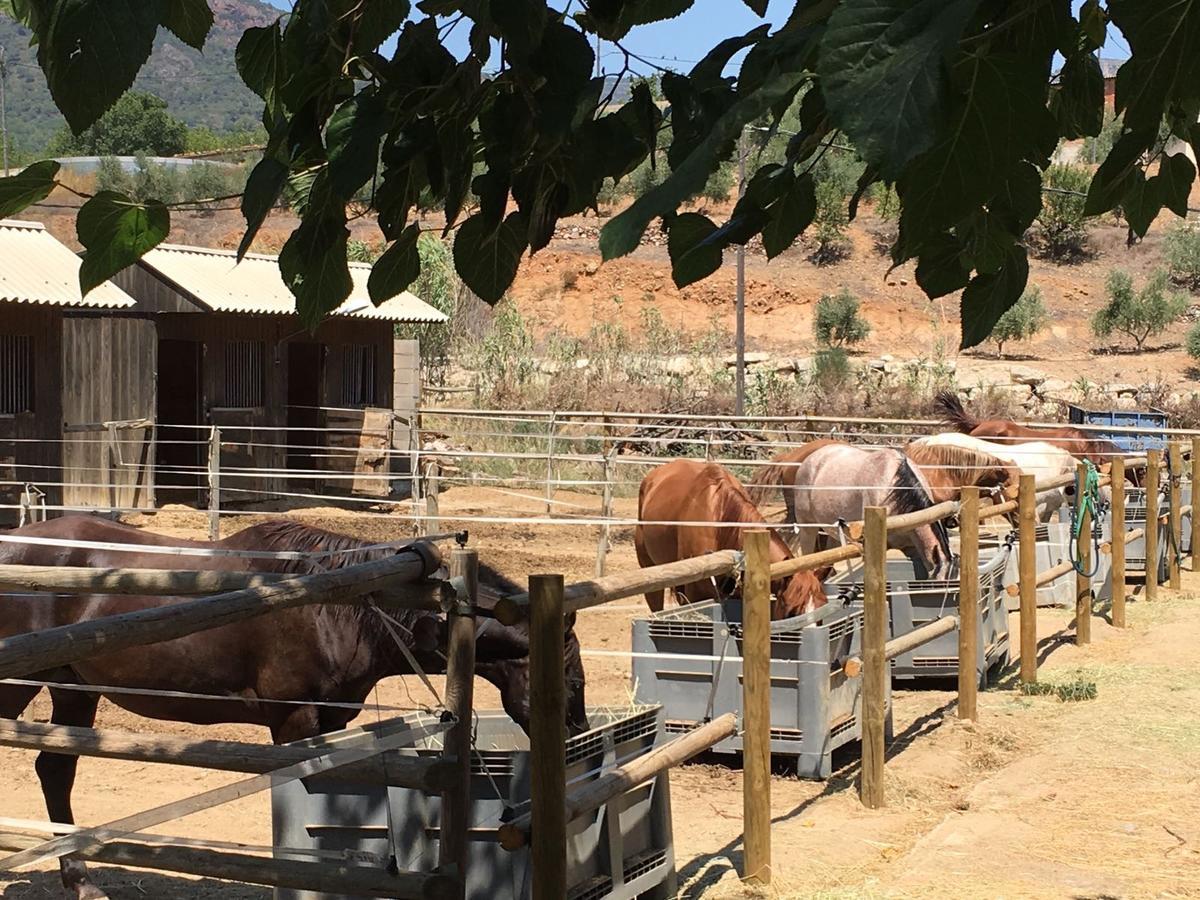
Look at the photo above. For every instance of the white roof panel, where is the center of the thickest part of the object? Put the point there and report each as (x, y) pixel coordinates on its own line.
(36, 268)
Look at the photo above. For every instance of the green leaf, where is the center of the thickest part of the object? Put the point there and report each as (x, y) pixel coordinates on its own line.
(988, 296)
(261, 63)
(1164, 39)
(691, 258)
(91, 51)
(352, 139)
(882, 73)
(189, 20)
(790, 215)
(940, 269)
(1173, 183)
(624, 231)
(987, 242)
(378, 21)
(262, 191)
(31, 185)
(116, 232)
(710, 69)
(399, 267)
(1093, 23)
(487, 257)
(612, 19)
(1078, 103)
(313, 264)
(1112, 180)
(759, 6)
(1141, 202)
(521, 22)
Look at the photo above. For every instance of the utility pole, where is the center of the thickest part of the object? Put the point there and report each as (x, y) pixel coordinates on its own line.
(740, 338)
(3, 117)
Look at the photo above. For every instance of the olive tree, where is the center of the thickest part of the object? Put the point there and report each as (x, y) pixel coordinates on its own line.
(1138, 314)
(836, 321)
(952, 101)
(1022, 320)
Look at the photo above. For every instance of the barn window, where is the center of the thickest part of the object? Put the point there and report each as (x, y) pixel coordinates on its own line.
(245, 373)
(358, 377)
(16, 374)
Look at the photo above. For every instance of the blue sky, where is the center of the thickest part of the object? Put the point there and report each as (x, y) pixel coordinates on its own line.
(680, 42)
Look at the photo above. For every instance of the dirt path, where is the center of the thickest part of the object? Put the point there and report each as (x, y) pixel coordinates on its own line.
(1041, 799)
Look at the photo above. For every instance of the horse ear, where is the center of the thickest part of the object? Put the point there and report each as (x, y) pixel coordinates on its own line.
(823, 572)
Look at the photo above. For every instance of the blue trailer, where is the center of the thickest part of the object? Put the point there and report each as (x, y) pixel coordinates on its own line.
(1120, 419)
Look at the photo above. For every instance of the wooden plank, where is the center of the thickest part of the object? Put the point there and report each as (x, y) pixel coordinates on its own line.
(1044, 577)
(875, 664)
(810, 561)
(226, 756)
(1118, 544)
(756, 708)
(177, 809)
(547, 737)
(460, 700)
(1174, 513)
(968, 605)
(22, 654)
(1027, 575)
(909, 521)
(906, 643)
(324, 877)
(591, 795)
(1153, 469)
(147, 582)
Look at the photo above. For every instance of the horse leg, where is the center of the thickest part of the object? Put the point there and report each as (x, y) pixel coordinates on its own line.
(14, 698)
(299, 723)
(56, 771)
(654, 599)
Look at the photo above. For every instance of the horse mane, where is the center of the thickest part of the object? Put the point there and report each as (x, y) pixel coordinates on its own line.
(971, 466)
(288, 535)
(908, 493)
(955, 414)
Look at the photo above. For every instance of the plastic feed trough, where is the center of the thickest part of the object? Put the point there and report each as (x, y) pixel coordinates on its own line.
(1053, 546)
(914, 602)
(689, 660)
(1135, 517)
(621, 851)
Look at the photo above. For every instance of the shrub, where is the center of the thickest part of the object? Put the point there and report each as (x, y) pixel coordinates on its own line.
(720, 183)
(831, 369)
(152, 181)
(1096, 149)
(110, 176)
(837, 322)
(1181, 247)
(830, 220)
(1021, 321)
(1062, 227)
(885, 201)
(1138, 314)
(1192, 343)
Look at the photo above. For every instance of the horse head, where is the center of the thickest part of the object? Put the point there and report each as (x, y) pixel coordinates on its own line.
(801, 593)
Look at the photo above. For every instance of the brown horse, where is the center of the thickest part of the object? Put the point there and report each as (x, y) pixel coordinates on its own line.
(1079, 443)
(949, 469)
(309, 655)
(688, 491)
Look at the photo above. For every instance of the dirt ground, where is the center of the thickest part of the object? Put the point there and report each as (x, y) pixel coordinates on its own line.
(1040, 799)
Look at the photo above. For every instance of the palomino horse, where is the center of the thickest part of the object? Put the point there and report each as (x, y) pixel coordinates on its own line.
(949, 469)
(1079, 443)
(838, 481)
(688, 491)
(319, 654)
(1041, 459)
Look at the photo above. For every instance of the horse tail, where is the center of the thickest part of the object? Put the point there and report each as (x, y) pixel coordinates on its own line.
(955, 413)
(765, 481)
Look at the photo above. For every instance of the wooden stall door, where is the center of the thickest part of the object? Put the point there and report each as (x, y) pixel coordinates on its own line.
(109, 392)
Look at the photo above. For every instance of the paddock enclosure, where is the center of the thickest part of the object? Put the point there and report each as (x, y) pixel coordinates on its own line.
(557, 500)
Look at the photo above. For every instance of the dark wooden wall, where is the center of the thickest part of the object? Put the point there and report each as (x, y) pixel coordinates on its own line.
(109, 365)
(30, 443)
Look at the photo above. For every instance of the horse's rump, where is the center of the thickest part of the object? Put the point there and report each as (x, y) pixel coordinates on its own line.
(781, 473)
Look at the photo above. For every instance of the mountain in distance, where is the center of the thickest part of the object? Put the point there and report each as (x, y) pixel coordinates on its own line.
(201, 88)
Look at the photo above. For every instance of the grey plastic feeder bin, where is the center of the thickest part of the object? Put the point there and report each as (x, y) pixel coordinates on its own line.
(689, 659)
(621, 851)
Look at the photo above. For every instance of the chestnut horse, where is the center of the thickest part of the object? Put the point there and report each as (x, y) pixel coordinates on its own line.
(1079, 443)
(689, 491)
(308, 656)
(949, 469)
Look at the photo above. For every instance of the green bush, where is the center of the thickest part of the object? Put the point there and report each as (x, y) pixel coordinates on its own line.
(1061, 225)
(152, 181)
(1181, 247)
(885, 201)
(1022, 320)
(830, 223)
(1096, 149)
(110, 176)
(1192, 343)
(831, 369)
(837, 323)
(1138, 314)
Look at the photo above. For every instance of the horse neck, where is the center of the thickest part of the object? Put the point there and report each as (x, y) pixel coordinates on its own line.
(737, 510)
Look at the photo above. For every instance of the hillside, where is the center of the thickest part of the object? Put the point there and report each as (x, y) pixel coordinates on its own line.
(200, 88)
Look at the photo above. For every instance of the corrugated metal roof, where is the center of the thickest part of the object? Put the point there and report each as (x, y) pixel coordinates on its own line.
(216, 280)
(36, 268)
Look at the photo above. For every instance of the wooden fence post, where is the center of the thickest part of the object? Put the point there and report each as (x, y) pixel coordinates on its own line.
(1118, 542)
(1027, 575)
(756, 708)
(875, 664)
(547, 738)
(968, 604)
(1083, 560)
(460, 699)
(214, 484)
(1153, 464)
(1195, 536)
(1174, 514)
(550, 463)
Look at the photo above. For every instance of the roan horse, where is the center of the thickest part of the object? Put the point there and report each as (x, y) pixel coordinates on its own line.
(836, 482)
(688, 491)
(1079, 443)
(321, 654)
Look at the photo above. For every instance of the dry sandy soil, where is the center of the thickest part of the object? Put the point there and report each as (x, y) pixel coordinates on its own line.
(1040, 799)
